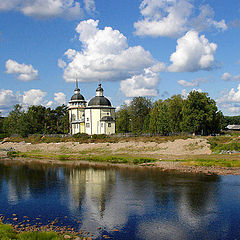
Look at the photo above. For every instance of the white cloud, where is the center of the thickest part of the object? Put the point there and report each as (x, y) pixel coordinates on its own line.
(228, 77)
(60, 98)
(163, 18)
(205, 20)
(33, 97)
(230, 101)
(24, 72)
(171, 18)
(28, 98)
(49, 8)
(193, 83)
(61, 63)
(193, 53)
(106, 56)
(49, 104)
(90, 6)
(7, 100)
(141, 85)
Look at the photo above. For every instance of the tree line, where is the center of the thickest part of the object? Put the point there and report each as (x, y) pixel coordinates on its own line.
(197, 114)
(36, 120)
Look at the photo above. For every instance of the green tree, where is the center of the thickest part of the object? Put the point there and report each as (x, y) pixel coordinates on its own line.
(123, 124)
(36, 119)
(139, 110)
(1, 123)
(159, 119)
(62, 118)
(11, 123)
(200, 114)
(175, 105)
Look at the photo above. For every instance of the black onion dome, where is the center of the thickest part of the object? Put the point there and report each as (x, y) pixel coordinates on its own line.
(77, 96)
(99, 101)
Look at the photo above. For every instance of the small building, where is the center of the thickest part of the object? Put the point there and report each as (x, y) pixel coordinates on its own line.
(233, 127)
(98, 117)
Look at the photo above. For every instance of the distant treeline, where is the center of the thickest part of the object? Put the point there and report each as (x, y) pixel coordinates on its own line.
(36, 120)
(197, 114)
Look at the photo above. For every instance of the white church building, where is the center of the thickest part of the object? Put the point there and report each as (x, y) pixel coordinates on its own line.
(96, 117)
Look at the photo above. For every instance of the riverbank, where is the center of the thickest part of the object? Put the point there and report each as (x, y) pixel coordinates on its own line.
(25, 230)
(193, 155)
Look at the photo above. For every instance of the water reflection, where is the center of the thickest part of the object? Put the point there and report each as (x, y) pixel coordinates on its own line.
(143, 204)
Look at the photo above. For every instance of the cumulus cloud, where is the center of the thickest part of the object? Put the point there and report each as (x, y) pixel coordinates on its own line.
(24, 72)
(230, 101)
(7, 100)
(60, 98)
(49, 8)
(33, 97)
(193, 53)
(141, 85)
(106, 56)
(205, 20)
(28, 98)
(228, 77)
(193, 83)
(172, 18)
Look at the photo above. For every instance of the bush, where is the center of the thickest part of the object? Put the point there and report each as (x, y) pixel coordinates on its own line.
(99, 136)
(82, 136)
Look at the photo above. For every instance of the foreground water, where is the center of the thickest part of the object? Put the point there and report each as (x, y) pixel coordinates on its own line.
(123, 203)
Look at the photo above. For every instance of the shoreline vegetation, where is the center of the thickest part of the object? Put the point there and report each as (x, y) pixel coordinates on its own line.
(24, 230)
(209, 155)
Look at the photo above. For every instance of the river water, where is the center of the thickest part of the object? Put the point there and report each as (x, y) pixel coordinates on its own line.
(123, 203)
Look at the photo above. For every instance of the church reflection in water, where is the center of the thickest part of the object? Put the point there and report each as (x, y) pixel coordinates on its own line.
(144, 202)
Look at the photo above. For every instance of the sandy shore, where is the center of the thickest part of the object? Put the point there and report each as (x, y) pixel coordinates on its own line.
(166, 152)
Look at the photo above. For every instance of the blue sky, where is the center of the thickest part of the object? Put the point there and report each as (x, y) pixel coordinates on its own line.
(152, 48)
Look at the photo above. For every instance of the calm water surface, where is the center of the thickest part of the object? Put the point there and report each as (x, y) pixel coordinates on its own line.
(141, 204)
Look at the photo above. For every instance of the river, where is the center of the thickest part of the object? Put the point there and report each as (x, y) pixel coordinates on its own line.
(123, 203)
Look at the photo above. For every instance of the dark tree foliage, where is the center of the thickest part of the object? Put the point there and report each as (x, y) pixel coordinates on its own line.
(37, 120)
(197, 114)
(232, 120)
(1, 123)
(123, 120)
(200, 114)
(139, 109)
(159, 118)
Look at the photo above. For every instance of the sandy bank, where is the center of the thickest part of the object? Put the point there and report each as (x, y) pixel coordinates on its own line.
(166, 152)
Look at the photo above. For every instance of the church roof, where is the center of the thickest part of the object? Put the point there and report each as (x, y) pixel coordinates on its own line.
(77, 96)
(99, 101)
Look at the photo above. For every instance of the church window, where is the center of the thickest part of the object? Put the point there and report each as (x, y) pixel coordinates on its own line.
(87, 125)
(109, 124)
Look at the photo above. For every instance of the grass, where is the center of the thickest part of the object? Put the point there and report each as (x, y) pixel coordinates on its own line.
(212, 162)
(224, 143)
(91, 158)
(7, 233)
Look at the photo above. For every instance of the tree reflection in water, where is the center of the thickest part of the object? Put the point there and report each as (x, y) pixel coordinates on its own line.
(141, 203)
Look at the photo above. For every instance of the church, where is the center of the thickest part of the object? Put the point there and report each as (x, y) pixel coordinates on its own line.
(95, 117)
